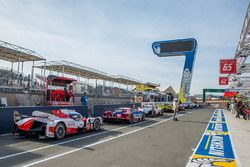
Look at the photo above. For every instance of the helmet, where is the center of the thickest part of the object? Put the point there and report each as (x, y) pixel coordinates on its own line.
(175, 99)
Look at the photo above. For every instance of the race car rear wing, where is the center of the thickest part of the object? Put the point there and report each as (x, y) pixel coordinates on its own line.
(17, 116)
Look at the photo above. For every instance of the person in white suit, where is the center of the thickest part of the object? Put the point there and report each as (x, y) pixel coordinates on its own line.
(175, 108)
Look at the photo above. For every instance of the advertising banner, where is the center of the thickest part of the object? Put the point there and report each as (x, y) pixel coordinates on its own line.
(228, 66)
(223, 80)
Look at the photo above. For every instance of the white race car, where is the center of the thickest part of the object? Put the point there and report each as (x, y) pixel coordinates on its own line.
(56, 125)
(150, 110)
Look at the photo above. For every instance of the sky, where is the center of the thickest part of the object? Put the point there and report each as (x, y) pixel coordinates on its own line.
(115, 36)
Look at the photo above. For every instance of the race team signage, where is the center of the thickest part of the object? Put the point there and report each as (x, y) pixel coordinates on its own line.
(215, 147)
(228, 66)
(223, 80)
(180, 47)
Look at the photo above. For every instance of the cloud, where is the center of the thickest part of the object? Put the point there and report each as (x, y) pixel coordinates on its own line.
(116, 36)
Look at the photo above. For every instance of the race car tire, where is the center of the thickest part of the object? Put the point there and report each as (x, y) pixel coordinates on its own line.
(143, 117)
(153, 113)
(131, 120)
(60, 131)
(161, 113)
(96, 125)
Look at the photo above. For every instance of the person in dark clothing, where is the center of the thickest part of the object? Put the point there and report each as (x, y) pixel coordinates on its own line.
(228, 106)
(84, 99)
(240, 110)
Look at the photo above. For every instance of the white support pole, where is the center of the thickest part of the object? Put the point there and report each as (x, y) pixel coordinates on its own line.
(22, 67)
(63, 72)
(44, 73)
(95, 87)
(11, 66)
(41, 72)
(18, 65)
(18, 70)
(32, 73)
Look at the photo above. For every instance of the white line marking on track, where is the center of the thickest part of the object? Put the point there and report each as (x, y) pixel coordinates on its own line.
(73, 140)
(6, 134)
(97, 143)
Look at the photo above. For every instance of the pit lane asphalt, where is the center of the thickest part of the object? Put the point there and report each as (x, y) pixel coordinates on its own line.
(155, 142)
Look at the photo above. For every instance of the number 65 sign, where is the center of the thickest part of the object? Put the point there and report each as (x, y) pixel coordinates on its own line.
(228, 66)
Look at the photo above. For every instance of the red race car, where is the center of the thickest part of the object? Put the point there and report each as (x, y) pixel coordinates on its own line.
(124, 114)
(57, 124)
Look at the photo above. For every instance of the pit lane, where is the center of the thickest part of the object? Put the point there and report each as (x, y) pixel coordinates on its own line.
(115, 140)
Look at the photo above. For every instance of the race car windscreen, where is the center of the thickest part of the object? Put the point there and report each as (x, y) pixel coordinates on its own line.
(120, 110)
(75, 116)
(177, 46)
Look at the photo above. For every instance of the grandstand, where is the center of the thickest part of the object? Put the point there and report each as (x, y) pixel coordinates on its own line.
(14, 81)
(80, 71)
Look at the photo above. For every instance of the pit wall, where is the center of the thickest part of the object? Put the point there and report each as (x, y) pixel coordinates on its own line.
(6, 113)
(22, 99)
(29, 99)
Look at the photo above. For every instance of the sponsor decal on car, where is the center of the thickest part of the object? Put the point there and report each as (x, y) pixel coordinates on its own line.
(215, 148)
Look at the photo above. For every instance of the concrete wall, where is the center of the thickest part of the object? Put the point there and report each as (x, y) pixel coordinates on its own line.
(101, 100)
(28, 99)
(22, 99)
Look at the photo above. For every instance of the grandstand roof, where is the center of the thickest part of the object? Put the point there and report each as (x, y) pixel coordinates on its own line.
(170, 90)
(152, 84)
(13, 53)
(86, 72)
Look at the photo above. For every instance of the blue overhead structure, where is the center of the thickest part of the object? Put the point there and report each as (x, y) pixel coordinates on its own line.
(179, 47)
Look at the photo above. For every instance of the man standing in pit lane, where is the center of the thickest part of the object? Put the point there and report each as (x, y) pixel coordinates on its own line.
(84, 99)
(175, 108)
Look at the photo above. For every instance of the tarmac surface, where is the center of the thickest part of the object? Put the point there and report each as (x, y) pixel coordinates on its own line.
(155, 142)
(239, 130)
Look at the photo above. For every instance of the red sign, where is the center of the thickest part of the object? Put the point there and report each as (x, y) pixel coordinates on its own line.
(230, 94)
(223, 80)
(228, 66)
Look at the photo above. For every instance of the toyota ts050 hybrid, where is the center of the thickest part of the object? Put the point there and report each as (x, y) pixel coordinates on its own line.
(124, 114)
(56, 125)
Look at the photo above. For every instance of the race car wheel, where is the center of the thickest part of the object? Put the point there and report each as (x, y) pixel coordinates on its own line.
(131, 120)
(96, 125)
(153, 113)
(60, 131)
(143, 117)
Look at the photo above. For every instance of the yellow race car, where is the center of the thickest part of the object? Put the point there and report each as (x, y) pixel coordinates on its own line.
(166, 107)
